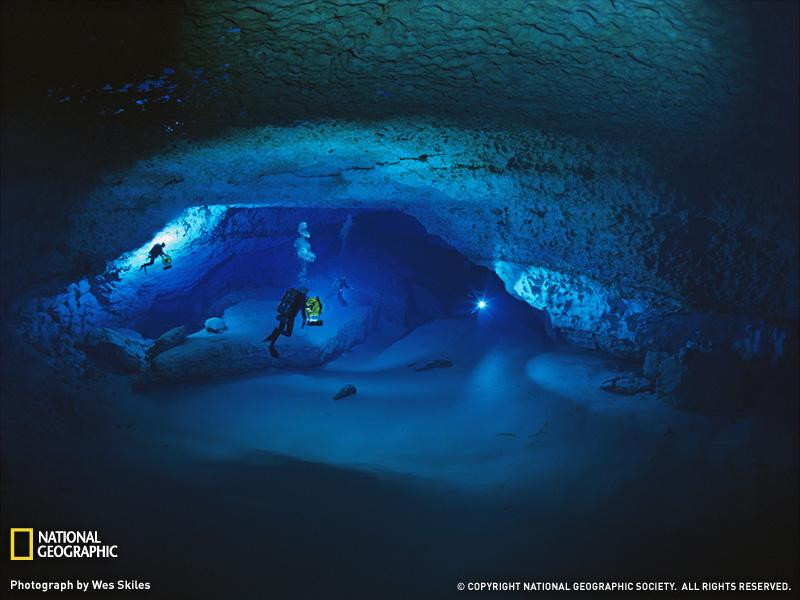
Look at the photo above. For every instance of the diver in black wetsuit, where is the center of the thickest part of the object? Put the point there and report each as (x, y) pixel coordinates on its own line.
(156, 251)
(293, 301)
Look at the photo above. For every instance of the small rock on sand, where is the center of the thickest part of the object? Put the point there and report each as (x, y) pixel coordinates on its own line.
(627, 385)
(215, 325)
(348, 390)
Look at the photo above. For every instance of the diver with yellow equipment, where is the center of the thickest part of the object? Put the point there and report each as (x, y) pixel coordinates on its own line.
(156, 251)
(294, 301)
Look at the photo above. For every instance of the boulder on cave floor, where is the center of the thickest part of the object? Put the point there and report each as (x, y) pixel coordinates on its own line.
(117, 350)
(167, 340)
(347, 390)
(215, 325)
(627, 384)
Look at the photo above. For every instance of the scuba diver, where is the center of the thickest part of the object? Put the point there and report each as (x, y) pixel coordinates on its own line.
(294, 301)
(156, 251)
(339, 286)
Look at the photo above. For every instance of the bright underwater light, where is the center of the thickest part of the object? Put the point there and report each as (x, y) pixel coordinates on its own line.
(480, 303)
(178, 235)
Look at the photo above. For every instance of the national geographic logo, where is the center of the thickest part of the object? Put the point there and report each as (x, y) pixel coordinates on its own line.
(58, 544)
(21, 543)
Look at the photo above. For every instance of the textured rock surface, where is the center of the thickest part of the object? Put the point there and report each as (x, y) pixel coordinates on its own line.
(54, 326)
(676, 70)
(587, 231)
(678, 65)
(167, 340)
(627, 385)
(122, 350)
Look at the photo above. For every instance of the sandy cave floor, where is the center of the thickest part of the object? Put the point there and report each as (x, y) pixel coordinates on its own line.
(499, 466)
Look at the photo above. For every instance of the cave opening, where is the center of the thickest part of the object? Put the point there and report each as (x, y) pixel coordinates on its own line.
(378, 274)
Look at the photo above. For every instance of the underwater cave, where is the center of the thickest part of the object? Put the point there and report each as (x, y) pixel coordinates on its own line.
(379, 275)
(538, 261)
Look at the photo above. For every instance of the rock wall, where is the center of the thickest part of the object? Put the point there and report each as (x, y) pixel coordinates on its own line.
(590, 232)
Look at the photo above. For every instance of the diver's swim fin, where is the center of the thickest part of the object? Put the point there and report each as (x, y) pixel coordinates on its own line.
(273, 352)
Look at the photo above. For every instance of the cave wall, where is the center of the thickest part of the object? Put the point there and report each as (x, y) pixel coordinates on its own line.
(588, 231)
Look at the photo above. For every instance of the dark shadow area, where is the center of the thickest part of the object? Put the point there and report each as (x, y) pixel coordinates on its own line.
(270, 525)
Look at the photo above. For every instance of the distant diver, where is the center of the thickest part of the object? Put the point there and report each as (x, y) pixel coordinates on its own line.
(339, 286)
(156, 251)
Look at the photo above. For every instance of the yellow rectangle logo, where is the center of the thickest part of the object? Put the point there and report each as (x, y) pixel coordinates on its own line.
(21, 531)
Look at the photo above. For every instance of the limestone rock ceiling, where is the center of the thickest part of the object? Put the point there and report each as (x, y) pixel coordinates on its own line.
(670, 68)
(677, 71)
(548, 140)
(581, 230)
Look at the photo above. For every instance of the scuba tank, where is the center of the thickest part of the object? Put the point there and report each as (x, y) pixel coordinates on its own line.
(285, 305)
